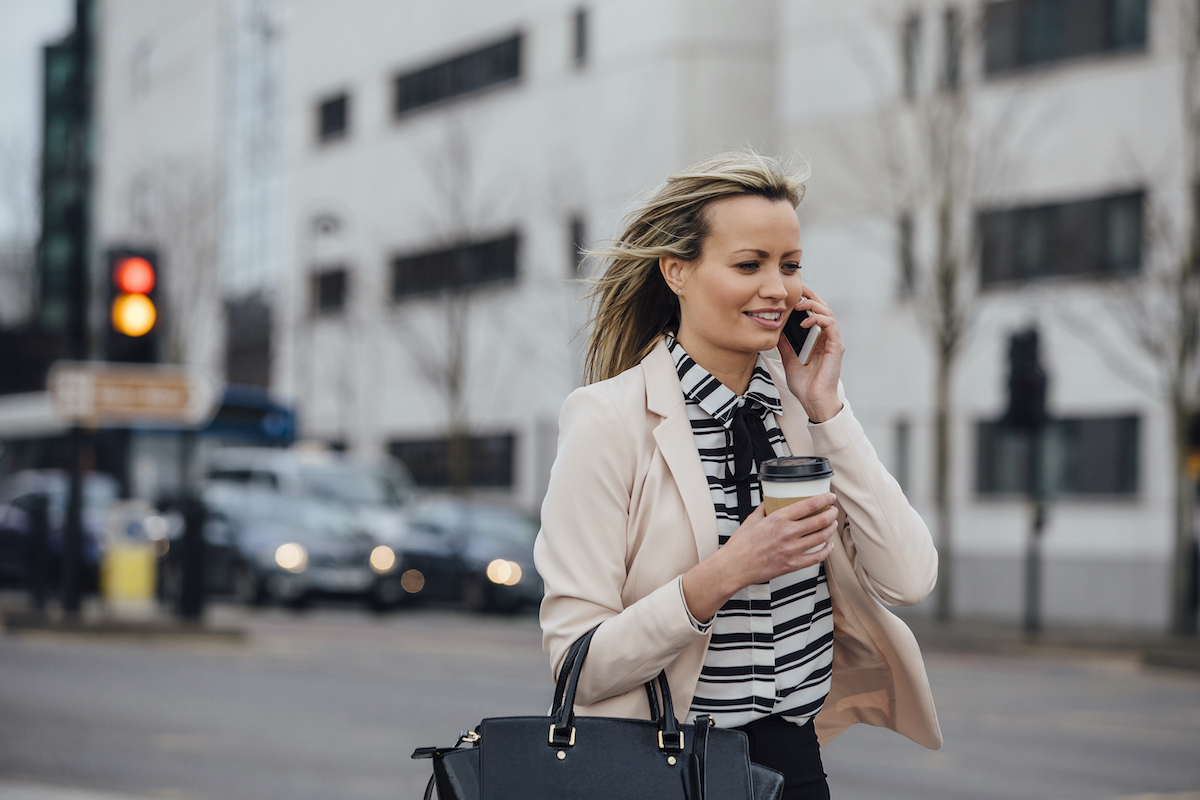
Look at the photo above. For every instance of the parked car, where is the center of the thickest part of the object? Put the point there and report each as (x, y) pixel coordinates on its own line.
(478, 554)
(100, 493)
(377, 491)
(264, 546)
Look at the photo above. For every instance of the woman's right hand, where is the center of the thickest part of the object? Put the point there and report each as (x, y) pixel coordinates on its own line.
(763, 547)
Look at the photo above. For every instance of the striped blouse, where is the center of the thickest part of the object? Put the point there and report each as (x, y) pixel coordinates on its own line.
(772, 643)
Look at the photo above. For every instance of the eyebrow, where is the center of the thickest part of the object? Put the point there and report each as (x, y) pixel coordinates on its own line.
(763, 253)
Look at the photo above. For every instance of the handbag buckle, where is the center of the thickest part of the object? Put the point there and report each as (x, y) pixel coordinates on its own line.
(554, 740)
(662, 745)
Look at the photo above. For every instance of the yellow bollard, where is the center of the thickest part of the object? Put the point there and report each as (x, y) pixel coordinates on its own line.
(127, 572)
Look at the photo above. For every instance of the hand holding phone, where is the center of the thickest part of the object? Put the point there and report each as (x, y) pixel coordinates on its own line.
(802, 340)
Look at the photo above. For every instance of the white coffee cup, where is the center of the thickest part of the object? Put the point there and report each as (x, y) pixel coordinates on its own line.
(791, 479)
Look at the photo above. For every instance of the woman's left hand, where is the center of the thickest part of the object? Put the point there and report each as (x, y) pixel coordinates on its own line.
(816, 385)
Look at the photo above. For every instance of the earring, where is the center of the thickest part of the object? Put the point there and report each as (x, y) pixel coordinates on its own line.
(679, 291)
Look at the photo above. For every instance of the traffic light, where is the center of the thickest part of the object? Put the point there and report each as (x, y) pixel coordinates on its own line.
(1026, 383)
(133, 313)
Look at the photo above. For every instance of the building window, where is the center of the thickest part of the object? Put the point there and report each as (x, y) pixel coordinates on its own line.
(328, 292)
(579, 29)
(470, 72)
(1090, 238)
(912, 42)
(462, 267)
(1080, 456)
(1025, 33)
(491, 460)
(333, 120)
(907, 256)
(952, 26)
(577, 234)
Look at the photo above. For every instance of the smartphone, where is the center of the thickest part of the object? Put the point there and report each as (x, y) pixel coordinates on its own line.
(802, 340)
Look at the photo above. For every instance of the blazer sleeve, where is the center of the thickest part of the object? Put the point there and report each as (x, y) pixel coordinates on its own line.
(886, 539)
(583, 554)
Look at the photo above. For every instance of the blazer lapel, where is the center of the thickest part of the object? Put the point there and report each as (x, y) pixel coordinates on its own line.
(677, 445)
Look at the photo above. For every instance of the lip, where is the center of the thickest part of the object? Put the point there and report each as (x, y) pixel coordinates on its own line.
(767, 324)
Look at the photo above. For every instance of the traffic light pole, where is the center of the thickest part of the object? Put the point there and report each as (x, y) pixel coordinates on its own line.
(1033, 546)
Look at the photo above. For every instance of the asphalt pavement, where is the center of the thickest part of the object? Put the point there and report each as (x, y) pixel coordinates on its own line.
(330, 702)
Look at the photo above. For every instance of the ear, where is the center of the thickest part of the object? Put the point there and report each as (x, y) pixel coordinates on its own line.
(674, 271)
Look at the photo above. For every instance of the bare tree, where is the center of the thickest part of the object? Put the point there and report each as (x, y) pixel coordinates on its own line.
(458, 216)
(931, 158)
(175, 206)
(1163, 308)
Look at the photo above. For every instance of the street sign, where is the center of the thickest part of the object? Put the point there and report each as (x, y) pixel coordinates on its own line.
(99, 393)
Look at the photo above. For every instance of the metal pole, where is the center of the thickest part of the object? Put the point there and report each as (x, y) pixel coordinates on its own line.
(71, 577)
(39, 531)
(1033, 546)
(191, 594)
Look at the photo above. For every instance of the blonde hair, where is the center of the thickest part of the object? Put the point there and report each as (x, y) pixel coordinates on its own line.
(635, 307)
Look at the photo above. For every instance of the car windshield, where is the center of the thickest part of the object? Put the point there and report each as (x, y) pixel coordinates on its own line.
(503, 524)
(357, 484)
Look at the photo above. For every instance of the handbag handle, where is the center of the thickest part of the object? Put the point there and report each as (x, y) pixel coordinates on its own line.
(562, 732)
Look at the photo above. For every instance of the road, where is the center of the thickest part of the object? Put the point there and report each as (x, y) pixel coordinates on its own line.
(330, 703)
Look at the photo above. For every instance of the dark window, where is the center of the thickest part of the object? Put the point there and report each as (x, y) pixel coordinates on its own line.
(1080, 456)
(332, 118)
(1023, 33)
(908, 259)
(1100, 237)
(328, 292)
(952, 26)
(491, 460)
(578, 236)
(488, 66)
(912, 41)
(580, 31)
(462, 267)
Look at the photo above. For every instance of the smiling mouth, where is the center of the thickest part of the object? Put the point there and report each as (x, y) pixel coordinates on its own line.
(772, 316)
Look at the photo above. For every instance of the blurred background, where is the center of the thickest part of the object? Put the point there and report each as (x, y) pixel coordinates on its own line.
(290, 293)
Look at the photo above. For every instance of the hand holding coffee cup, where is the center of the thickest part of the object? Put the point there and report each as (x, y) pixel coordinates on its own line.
(791, 479)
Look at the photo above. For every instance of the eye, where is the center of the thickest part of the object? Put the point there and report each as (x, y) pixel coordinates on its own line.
(748, 265)
(791, 267)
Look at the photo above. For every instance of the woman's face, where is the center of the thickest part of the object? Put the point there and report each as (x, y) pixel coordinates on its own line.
(735, 298)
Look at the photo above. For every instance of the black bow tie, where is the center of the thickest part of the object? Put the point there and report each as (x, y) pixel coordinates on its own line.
(750, 442)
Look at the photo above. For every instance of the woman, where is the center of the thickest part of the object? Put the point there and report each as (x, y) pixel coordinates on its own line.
(652, 528)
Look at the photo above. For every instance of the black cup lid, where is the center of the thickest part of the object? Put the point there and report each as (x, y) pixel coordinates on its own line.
(795, 468)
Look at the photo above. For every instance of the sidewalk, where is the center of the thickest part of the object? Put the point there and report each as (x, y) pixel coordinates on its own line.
(1148, 647)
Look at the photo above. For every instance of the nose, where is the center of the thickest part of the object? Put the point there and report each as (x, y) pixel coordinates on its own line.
(773, 286)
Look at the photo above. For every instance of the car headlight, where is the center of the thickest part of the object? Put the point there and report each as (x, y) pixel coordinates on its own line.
(505, 573)
(383, 558)
(292, 557)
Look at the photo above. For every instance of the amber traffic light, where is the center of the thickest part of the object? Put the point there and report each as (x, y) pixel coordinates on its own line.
(133, 306)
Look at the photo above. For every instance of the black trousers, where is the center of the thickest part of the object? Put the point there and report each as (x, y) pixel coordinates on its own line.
(793, 750)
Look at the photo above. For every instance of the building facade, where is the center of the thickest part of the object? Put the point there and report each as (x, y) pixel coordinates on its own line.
(439, 165)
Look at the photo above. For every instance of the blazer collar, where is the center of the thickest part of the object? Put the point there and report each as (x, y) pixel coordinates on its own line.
(677, 443)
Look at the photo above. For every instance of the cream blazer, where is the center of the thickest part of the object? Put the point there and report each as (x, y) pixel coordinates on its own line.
(628, 511)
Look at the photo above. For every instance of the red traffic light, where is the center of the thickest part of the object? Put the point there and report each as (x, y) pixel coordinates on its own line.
(133, 275)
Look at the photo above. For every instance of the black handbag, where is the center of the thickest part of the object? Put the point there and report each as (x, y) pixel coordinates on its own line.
(566, 757)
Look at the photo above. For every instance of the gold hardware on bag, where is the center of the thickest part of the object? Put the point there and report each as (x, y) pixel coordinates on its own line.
(470, 737)
(562, 754)
(661, 744)
(671, 760)
(571, 742)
